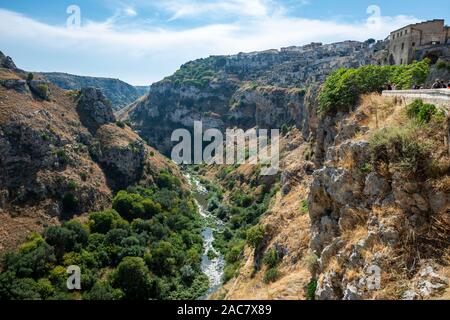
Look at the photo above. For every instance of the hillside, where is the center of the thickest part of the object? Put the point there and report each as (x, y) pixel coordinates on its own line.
(118, 92)
(377, 198)
(62, 153)
(264, 89)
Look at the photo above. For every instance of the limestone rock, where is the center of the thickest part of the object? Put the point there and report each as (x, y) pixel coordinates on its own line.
(327, 287)
(94, 109)
(18, 85)
(6, 62)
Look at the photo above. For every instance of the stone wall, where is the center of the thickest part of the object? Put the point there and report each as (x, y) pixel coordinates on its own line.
(435, 96)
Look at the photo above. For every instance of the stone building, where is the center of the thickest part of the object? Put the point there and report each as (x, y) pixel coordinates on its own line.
(417, 41)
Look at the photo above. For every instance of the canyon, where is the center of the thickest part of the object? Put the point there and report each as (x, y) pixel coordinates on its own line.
(359, 210)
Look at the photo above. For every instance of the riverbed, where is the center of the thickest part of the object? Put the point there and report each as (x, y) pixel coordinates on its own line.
(212, 260)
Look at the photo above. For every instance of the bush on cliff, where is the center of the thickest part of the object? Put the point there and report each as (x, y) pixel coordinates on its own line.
(342, 88)
(399, 148)
(422, 112)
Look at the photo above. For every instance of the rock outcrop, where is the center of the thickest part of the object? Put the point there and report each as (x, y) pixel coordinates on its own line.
(94, 109)
(6, 62)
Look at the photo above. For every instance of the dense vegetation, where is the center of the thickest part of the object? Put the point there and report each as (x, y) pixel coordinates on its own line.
(148, 246)
(196, 73)
(342, 88)
(241, 212)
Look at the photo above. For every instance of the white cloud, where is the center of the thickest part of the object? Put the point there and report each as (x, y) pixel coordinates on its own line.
(158, 51)
(130, 12)
(197, 8)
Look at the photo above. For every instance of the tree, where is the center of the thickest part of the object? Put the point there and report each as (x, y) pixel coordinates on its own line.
(151, 208)
(102, 222)
(255, 236)
(103, 291)
(162, 259)
(81, 231)
(129, 205)
(31, 263)
(165, 180)
(61, 238)
(134, 279)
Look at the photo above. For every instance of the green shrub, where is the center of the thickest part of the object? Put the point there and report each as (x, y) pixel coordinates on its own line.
(229, 271)
(30, 76)
(255, 236)
(272, 258)
(271, 275)
(285, 129)
(133, 278)
(61, 238)
(102, 222)
(235, 253)
(42, 90)
(81, 232)
(304, 206)
(120, 124)
(62, 156)
(311, 290)
(103, 291)
(72, 185)
(399, 147)
(165, 180)
(422, 112)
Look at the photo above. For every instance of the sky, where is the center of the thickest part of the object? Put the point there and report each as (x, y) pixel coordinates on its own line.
(143, 41)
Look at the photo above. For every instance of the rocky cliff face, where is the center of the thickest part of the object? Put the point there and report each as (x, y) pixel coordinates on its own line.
(356, 217)
(61, 153)
(118, 92)
(387, 215)
(265, 89)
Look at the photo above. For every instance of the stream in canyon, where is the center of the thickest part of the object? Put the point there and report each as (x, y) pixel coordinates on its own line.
(212, 260)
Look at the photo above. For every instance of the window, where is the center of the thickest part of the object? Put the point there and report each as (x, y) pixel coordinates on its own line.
(401, 61)
(413, 44)
(406, 31)
(403, 46)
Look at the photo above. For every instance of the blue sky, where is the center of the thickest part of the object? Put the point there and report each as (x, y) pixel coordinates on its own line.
(142, 41)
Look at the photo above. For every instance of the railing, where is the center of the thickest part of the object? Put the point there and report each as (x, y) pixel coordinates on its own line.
(435, 96)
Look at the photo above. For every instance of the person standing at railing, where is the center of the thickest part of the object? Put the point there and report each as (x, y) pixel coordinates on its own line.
(436, 84)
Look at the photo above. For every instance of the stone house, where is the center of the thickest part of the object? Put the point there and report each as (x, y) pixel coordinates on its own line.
(417, 41)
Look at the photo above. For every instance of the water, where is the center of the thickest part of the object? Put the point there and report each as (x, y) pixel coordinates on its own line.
(213, 268)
